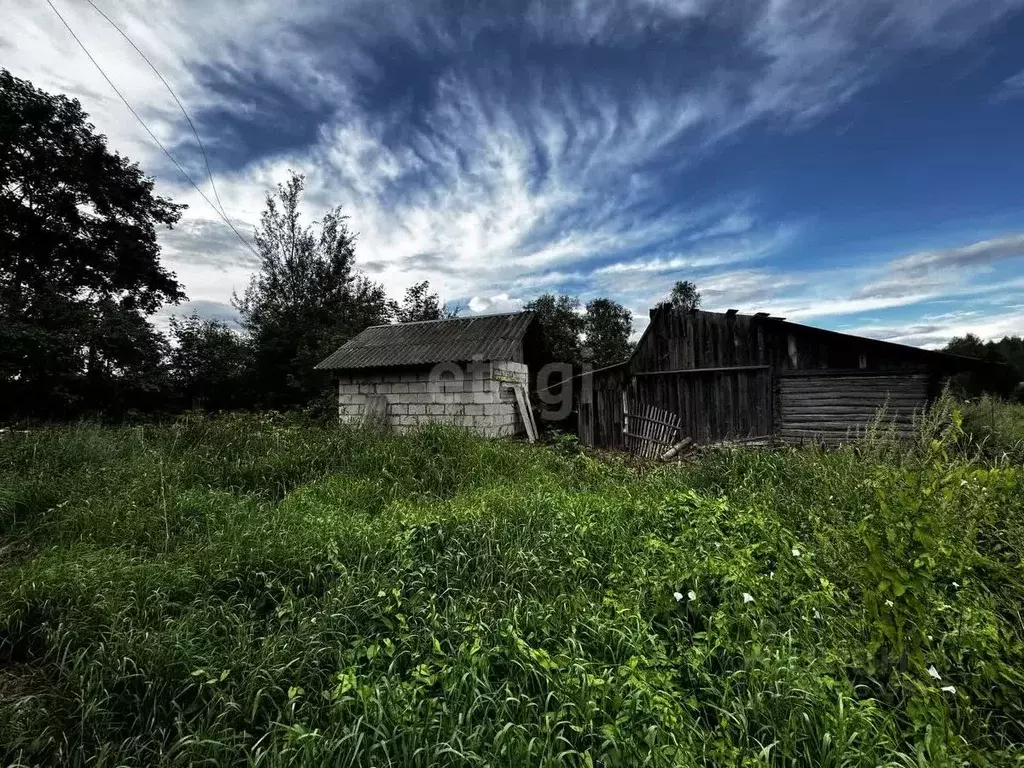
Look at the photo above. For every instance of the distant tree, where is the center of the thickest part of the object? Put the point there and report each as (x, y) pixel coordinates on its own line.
(306, 300)
(562, 324)
(208, 364)
(420, 304)
(79, 261)
(967, 346)
(685, 296)
(1002, 380)
(608, 326)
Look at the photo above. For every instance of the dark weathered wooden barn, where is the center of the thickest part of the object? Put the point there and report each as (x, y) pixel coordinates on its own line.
(718, 376)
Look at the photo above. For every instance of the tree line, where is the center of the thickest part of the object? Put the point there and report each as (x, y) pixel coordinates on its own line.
(81, 281)
(1007, 379)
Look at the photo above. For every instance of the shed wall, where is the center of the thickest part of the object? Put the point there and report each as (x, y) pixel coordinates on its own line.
(817, 407)
(476, 396)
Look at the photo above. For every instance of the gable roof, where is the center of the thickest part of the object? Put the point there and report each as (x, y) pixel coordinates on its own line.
(457, 340)
(935, 357)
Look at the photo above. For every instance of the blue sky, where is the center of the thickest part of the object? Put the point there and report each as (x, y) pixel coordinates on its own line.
(853, 164)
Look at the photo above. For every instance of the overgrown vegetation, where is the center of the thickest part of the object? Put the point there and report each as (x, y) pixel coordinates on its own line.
(996, 426)
(255, 590)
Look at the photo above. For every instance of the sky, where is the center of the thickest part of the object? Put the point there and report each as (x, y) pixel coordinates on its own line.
(850, 164)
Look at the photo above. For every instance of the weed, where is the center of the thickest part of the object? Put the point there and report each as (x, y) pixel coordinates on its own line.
(256, 590)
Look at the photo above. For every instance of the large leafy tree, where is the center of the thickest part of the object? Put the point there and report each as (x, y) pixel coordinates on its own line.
(685, 296)
(420, 304)
(79, 260)
(208, 362)
(562, 323)
(306, 300)
(608, 326)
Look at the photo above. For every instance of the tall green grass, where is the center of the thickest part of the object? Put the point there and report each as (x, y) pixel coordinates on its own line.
(997, 426)
(254, 591)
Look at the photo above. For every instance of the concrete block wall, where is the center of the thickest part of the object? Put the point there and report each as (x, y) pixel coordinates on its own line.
(477, 396)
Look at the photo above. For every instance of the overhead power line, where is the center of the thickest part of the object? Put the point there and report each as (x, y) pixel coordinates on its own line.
(199, 141)
(152, 135)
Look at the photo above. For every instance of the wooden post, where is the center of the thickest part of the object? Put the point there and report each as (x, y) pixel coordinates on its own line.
(625, 420)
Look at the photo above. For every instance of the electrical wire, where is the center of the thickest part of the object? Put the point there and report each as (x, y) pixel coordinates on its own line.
(578, 375)
(199, 141)
(151, 134)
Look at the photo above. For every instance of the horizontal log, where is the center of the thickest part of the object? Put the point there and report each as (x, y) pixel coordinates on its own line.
(870, 410)
(908, 407)
(683, 446)
(855, 394)
(834, 437)
(833, 426)
(855, 401)
(853, 397)
(849, 418)
(848, 405)
(813, 385)
(864, 395)
(854, 373)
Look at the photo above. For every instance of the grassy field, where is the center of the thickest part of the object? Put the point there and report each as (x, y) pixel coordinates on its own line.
(255, 591)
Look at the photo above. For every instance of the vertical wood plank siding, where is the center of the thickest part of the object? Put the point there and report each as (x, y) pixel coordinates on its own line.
(712, 405)
(722, 404)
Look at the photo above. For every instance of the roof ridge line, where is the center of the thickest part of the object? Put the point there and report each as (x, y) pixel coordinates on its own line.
(450, 319)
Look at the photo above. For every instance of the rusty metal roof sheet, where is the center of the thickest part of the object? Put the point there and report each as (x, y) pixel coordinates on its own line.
(460, 339)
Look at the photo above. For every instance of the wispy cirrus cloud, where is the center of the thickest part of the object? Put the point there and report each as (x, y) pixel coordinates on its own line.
(934, 270)
(1012, 87)
(501, 150)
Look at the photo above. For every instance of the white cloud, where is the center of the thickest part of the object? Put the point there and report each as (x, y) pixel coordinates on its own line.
(504, 179)
(501, 302)
(937, 270)
(937, 333)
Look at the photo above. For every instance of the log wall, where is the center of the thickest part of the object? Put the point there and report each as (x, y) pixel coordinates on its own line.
(817, 406)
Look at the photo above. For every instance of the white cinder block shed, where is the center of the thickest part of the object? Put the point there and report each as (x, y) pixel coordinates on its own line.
(462, 371)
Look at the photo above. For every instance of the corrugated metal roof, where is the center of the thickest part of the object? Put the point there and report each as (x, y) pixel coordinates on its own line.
(461, 339)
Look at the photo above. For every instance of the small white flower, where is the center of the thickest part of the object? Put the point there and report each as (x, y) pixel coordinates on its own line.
(816, 614)
(889, 603)
(771, 574)
(963, 483)
(949, 688)
(691, 595)
(796, 552)
(930, 638)
(955, 585)
(678, 596)
(747, 597)
(934, 672)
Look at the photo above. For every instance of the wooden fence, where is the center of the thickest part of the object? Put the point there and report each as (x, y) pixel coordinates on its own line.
(648, 431)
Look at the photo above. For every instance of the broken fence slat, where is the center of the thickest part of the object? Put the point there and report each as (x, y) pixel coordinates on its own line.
(679, 448)
(524, 410)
